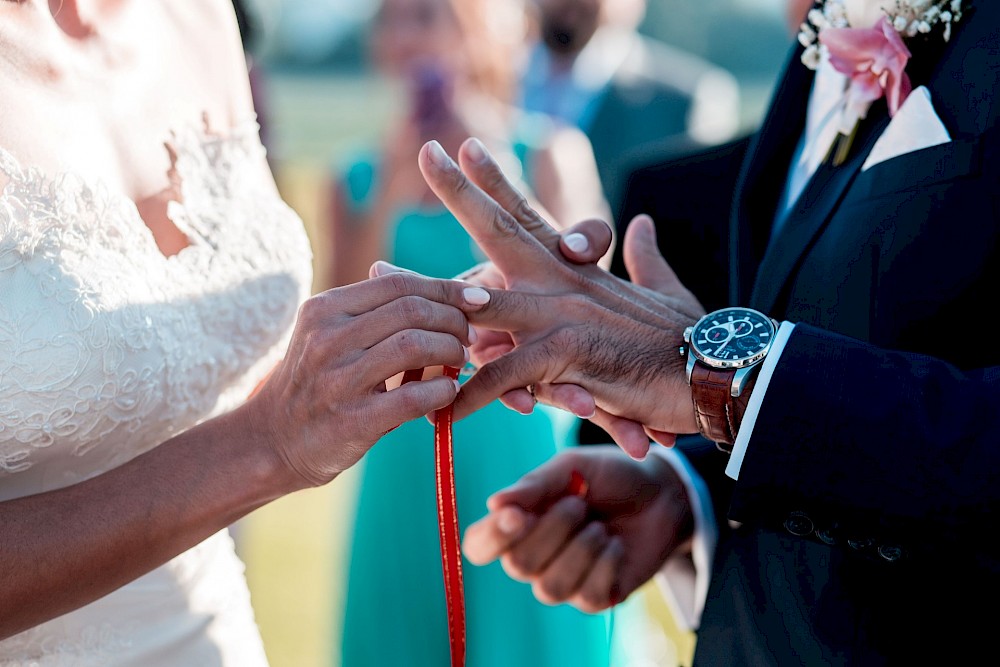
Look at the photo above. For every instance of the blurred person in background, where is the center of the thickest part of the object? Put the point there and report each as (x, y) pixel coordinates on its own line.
(456, 65)
(456, 60)
(635, 97)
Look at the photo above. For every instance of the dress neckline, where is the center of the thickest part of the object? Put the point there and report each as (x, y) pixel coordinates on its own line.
(185, 141)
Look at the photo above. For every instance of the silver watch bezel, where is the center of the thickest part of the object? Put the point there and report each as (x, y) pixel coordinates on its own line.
(745, 364)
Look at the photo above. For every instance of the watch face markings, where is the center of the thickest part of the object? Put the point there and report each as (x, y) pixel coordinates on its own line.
(732, 338)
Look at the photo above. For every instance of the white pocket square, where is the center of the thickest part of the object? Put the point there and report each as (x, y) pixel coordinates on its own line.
(915, 126)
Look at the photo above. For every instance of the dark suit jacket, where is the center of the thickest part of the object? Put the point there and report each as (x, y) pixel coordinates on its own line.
(867, 497)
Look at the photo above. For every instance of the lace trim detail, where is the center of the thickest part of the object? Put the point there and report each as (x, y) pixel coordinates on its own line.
(99, 643)
(105, 343)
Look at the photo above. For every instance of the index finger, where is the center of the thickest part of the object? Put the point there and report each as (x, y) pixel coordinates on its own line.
(514, 249)
(367, 295)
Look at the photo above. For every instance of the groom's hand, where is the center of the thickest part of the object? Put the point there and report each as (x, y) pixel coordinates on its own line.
(574, 324)
(591, 552)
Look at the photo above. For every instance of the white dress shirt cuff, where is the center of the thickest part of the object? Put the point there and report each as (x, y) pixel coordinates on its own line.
(683, 579)
(756, 399)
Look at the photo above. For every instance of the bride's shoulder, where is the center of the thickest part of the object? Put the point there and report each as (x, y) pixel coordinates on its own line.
(210, 32)
(208, 26)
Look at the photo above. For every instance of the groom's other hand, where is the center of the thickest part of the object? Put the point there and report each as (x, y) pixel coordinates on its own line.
(590, 552)
(571, 324)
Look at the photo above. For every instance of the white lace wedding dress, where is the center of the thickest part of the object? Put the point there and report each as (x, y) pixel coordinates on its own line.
(108, 348)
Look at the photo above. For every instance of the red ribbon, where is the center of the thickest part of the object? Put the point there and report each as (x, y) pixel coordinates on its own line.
(451, 550)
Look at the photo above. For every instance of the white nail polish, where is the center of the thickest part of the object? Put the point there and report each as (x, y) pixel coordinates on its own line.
(476, 296)
(577, 242)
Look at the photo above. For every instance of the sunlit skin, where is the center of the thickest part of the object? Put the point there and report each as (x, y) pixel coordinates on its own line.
(95, 89)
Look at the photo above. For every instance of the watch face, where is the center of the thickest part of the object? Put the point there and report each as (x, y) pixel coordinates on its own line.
(732, 337)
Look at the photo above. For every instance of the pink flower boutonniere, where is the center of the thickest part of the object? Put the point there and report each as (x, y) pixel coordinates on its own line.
(864, 40)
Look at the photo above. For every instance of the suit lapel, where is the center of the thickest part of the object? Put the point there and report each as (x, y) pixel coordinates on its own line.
(812, 211)
(951, 83)
(764, 173)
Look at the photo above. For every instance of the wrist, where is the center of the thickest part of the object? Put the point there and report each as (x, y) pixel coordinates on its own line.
(256, 443)
(741, 402)
(724, 352)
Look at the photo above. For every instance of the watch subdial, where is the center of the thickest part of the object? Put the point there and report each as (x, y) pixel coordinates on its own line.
(718, 333)
(749, 343)
(742, 328)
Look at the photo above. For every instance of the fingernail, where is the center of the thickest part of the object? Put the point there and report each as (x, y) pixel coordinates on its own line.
(648, 229)
(476, 150)
(467, 357)
(437, 155)
(473, 336)
(476, 296)
(382, 268)
(510, 521)
(458, 386)
(577, 242)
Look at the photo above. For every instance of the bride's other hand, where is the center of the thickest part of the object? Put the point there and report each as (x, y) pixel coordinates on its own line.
(326, 404)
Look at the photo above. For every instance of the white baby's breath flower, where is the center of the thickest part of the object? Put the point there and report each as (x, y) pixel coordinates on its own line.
(817, 18)
(811, 57)
(908, 17)
(866, 13)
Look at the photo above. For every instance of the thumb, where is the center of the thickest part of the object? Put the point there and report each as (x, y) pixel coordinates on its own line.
(643, 261)
(586, 242)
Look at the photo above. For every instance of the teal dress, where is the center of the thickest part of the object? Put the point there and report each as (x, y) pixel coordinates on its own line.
(395, 614)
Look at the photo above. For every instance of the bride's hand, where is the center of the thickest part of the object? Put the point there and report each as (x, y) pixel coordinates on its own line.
(490, 345)
(326, 404)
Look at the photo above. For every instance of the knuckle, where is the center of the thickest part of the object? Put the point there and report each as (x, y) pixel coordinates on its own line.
(310, 312)
(413, 309)
(492, 374)
(411, 342)
(460, 183)
(501, 222)
(524, 211)
(409, 404)
(399, 282)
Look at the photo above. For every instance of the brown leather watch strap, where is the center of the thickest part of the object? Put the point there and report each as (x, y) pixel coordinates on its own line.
(713, 404)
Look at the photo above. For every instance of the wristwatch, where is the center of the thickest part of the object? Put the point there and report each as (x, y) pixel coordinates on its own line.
(724, 350)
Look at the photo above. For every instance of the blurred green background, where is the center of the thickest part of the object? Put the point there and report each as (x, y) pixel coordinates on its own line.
(319, 102)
